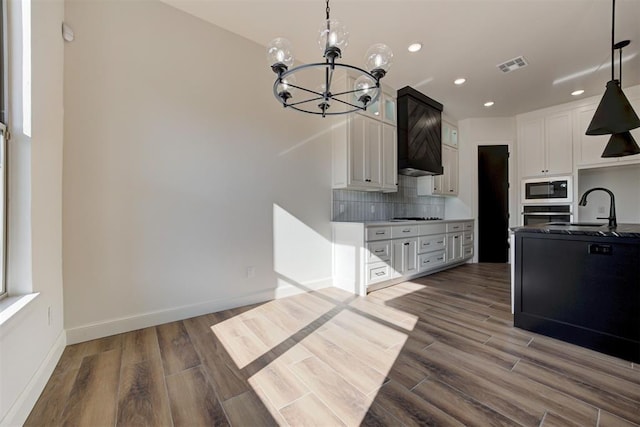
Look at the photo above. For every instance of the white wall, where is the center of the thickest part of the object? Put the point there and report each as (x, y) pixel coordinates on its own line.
(471, 134)
(622, 181)
(30, 345)
(180, 171)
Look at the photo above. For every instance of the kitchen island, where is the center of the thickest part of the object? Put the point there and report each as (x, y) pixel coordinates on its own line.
(580, 284)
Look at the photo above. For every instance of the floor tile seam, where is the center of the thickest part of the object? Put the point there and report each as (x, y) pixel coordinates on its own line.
(355, 356)
(591, 383)
(572, 396)
(205, 371)
(595, 359)
(469, 398)
(314, 354)
(311, 391)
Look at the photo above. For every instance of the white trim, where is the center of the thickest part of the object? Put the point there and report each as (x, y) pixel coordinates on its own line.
(12, 305)
(20, 410)
(131, 323)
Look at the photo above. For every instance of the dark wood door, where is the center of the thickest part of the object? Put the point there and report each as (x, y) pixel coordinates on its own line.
(493, 203)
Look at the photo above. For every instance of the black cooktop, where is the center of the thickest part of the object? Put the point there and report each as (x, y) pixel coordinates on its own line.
(416, 218)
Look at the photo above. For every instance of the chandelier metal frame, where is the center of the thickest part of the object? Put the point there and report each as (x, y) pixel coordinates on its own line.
(325, 96)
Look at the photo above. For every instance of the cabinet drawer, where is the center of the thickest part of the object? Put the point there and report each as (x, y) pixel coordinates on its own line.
(404, 231)
(431, 260)
(468, 226)
(467, 251)
(432, 243)
(378, 273)
(378, 251)
(455, 226)
(378, 233)
(467, 237)
(432, 229)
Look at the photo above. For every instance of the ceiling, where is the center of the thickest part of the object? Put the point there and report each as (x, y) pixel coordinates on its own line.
(566, 43)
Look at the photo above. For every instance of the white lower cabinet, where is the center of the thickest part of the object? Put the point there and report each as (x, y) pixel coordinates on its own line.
(371, 257)
(405, 257)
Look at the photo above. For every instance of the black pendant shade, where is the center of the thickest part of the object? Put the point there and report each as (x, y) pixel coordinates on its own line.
(614, 113)
(620, 145)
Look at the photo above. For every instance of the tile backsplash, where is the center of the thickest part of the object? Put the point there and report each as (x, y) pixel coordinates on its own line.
(350, 205)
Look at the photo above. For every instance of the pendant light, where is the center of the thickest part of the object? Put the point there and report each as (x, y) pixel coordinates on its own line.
(320, 99)
(614, 113)
(621, 144)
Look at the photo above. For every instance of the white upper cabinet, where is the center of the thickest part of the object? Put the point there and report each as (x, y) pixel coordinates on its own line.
(447, 183)
(449, 134)
(389, 158)
(545, 145)
(364, 146)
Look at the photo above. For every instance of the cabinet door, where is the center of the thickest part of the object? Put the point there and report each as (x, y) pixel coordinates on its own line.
(373, 147)
(531, 148)
(365, 149)
(389, 108)
(454, 247)
(389, 158)
(558, 144)
(405, 257)
(452, 175)
(438, 184)
(357, 151)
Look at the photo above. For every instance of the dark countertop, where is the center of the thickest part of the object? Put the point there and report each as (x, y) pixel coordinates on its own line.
(622, 230)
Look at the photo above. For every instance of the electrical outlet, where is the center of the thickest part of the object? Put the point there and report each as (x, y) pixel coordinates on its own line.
(601, 209)
(251, 272)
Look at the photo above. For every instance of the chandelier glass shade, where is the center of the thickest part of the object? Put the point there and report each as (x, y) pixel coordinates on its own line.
(319, 98)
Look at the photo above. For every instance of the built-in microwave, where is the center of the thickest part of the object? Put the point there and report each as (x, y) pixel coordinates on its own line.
(547, 190)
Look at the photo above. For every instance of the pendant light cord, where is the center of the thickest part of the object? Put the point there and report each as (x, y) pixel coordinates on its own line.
(329, 9)
(613, 27)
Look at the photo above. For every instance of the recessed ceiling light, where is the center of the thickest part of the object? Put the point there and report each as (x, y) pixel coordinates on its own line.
(414, 47)
(577, 92)
(459, 81)
(488, 104)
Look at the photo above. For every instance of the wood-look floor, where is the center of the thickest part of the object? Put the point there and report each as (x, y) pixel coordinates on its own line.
(439, 350)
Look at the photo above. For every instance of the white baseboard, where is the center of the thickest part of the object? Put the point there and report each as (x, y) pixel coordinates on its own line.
(18, 413)
(144, 320)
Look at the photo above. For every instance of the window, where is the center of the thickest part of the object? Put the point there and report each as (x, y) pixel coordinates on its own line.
(3, 147)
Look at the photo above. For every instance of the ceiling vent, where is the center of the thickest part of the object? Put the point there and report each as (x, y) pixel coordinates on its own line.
(513, 64)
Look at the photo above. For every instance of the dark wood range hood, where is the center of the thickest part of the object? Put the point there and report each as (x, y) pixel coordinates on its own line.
(419, 134)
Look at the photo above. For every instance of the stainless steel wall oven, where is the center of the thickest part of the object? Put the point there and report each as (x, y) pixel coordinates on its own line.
(541, 214)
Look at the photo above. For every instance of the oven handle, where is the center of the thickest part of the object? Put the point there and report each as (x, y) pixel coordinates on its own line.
(546, 213)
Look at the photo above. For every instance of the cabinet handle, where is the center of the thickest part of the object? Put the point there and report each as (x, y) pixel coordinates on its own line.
(380, 273)
(378, 233)
(426, 244)
(379, 250)
(406, 244)
(406, 230)
(441, 258)
(440, 242)
(455, 237)
(426, 261)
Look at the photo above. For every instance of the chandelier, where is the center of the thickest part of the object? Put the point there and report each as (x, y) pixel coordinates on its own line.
(333, 38)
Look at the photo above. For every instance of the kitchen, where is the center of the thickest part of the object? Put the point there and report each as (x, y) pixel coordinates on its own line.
(145, 216)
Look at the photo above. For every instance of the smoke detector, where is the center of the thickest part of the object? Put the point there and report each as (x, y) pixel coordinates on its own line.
(513, 64)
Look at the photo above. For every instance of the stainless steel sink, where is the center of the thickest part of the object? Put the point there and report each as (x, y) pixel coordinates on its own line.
(577, 224)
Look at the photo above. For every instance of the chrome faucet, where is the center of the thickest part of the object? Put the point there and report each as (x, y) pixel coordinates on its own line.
(613, 222)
